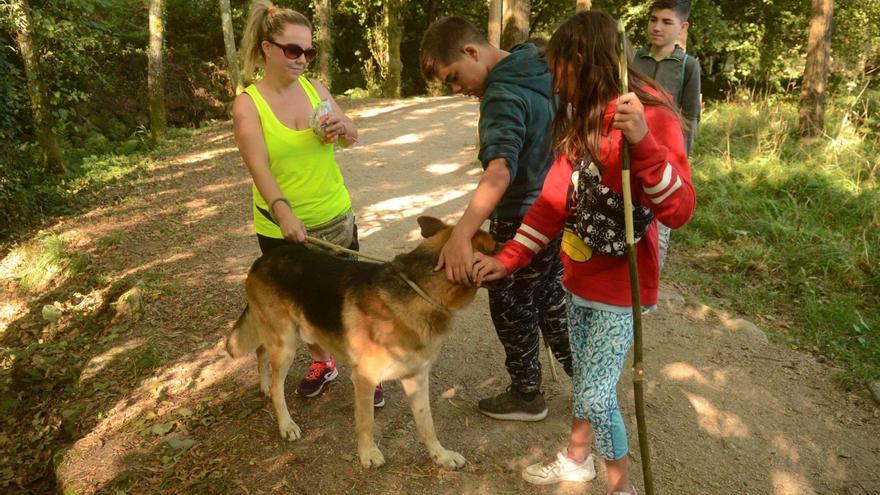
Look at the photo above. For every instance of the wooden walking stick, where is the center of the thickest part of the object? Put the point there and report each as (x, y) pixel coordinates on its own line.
(638, 372)
(550, 359)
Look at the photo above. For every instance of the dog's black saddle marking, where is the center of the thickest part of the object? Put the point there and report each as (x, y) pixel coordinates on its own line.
(315, 281)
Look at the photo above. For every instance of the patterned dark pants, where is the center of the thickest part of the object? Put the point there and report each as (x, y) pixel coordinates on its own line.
(528, 301)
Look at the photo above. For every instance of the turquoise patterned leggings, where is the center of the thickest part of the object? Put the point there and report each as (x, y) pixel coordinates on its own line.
(600, 341)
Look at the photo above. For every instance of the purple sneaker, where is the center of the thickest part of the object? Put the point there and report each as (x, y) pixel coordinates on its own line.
(378, 397)
(320, 373)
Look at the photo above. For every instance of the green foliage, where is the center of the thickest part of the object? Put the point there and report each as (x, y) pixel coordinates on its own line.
(94, 53)
(855, 43)
(95, 49)
(15, 101)
(89, 50)
(93, 57)
(28, 196)
(790, 231)
(45, 262)
(763, 43)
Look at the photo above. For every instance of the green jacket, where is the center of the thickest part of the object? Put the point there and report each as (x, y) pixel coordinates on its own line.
(679, 75)
(515, 116)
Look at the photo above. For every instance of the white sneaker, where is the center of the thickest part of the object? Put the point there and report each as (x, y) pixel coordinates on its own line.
(562, 469)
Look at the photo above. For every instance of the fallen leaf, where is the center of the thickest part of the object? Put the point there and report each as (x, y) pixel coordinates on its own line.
(161, 428)
(178, 442)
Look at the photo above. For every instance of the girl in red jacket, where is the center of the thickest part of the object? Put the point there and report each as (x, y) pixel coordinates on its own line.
(582, 196)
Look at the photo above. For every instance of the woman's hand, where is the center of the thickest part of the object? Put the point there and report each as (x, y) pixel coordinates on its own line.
(629, 118)
(334, 128)
(336, 125)
(487, 268)
(292, 227)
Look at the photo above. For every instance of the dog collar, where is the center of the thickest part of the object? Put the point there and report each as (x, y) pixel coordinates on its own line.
(418, 290)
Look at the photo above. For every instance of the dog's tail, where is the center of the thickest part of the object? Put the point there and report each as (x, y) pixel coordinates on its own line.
(244, 338)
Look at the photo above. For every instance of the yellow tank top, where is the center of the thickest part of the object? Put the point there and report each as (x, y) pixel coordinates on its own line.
(304, 167)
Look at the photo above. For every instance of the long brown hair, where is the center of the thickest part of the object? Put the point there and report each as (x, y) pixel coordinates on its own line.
(264, 22)
(587, 45)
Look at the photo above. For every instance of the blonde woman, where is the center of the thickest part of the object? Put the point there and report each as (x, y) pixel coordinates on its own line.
(298, 187)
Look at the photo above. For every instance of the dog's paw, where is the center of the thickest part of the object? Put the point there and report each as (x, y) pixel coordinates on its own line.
(371, 457)
(264, 387)
(289, 430)
(448, 458)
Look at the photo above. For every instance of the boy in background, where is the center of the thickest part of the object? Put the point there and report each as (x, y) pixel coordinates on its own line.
(677, 72)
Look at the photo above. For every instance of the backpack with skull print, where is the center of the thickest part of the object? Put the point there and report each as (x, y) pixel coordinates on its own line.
(597, 212)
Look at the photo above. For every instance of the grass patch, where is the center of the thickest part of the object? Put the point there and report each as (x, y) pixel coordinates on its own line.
(788, 231)
(42, 263)
(109, 240)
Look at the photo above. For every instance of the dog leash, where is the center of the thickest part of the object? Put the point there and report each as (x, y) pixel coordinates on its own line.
(414, 286)
(339, 249)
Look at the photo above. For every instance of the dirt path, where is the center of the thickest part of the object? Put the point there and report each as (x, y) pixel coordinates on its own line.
(160, 408)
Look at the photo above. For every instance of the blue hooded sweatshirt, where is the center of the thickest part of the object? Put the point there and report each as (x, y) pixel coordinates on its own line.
(515, 115)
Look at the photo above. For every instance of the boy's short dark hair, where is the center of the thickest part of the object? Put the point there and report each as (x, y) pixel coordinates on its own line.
(442, 42)
(682, 8)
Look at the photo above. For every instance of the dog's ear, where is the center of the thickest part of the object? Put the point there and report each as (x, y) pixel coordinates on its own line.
(430, 225)
(484, 243)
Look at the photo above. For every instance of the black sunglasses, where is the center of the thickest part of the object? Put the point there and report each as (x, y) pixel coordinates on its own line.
(293, 52)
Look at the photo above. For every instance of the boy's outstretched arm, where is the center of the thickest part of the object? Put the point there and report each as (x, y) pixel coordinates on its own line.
(457, 255)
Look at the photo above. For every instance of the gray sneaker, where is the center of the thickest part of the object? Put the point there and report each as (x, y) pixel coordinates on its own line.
(508, 405)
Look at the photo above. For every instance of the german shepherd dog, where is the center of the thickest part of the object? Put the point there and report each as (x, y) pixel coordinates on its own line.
(367, 314)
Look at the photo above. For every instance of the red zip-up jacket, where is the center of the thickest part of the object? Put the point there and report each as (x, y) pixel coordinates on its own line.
(660, 180)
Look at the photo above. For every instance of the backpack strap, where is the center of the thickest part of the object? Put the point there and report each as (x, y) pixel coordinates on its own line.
(681, 86)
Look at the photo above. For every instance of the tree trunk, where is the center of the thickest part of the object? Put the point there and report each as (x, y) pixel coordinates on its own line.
(496, 11)
(393, 10)
(583, 5)
(515, 22)
(229, 42)
(44, 121)
(768, 58)
(156, 70)
(323, 20)
(812, 105)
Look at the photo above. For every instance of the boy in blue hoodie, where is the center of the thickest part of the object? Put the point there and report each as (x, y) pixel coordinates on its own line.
(514, 89)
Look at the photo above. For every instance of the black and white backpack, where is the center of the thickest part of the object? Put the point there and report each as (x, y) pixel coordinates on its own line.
(597, 212)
